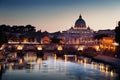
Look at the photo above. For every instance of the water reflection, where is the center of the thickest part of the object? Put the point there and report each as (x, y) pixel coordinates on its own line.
(68, 67)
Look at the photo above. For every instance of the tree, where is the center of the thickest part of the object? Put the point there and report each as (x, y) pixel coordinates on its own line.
(3, 38)
(30, 28)
(55, 40)
(117, 33)
(117, 39)
(100, 36)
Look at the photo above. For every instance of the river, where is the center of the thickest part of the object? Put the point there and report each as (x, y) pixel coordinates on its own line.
(31, 67)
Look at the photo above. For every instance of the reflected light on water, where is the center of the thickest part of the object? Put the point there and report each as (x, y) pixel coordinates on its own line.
(65, 58)
(11, 66)
(75, 57)
(85, 60)
(39, 60)
(80, 61)
(30, 57)
(61, 67)
(20, 61)
(0, 67)
(111, 73)
(106, 68)
(55, 57)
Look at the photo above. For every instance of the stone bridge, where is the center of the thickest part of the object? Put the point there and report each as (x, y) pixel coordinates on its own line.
(37, 46)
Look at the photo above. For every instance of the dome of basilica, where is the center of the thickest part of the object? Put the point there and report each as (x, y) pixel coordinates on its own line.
(80, 23)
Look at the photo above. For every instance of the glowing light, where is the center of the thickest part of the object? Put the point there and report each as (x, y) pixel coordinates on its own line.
(11, 66)
(115, 44)
(66, 58)
(75, 57)
(21, 61)
(102, 68)
(95, 66)
(30, 58)
(39, 60)
(85, 60)
(97, 48)
(111, 73)
(108, 40)
(1, 48)
(80, 48)
(60, 48)
(39, 48)
(106, 68)
(101, 46)
(20, 47)
(81, 61)
(46, 40)
(25, 40)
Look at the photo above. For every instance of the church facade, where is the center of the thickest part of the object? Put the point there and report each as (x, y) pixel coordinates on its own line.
(79, 34)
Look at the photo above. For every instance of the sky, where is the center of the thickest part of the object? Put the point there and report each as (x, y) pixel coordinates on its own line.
(60, 15)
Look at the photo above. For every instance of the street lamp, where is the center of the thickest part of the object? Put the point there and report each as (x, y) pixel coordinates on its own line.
(59, 48)
(20, 47)
(39, 48)
(80, 48)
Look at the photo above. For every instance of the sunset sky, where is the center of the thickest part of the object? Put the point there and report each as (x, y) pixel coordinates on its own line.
(55, 15)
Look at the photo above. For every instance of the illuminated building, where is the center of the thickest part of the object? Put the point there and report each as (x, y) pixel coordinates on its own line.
(107, 43)
(79, 34)
(45, 40)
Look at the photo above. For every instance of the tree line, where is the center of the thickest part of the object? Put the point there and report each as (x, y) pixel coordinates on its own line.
(17, 29)
(7, 30)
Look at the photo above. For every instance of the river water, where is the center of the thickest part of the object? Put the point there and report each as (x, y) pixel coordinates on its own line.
(52, 68)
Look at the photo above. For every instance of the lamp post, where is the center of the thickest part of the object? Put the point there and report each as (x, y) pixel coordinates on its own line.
(59, 48)
(59, 52)
(39, 48)
(20, 47)
(80, 48)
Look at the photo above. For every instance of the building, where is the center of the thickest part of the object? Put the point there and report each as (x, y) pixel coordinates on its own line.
(108, 46)
(108, 32)
(79, 34)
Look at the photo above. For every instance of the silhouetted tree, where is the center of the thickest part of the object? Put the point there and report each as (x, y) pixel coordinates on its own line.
(100, 36)
(3, 38)
(55, 40)
(30, 28)
(117, 31)
(5, 28)
(117, 38)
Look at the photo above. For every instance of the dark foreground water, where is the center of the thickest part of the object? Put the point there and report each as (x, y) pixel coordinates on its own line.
(55, 69)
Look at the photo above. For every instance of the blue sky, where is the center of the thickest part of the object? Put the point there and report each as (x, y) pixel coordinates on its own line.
(55, 15)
